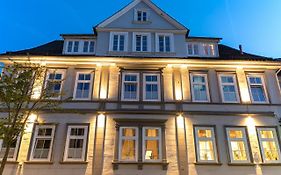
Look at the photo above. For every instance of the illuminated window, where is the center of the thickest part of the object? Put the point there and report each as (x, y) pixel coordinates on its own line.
(164, 42)
(199, 87)
(257, 89)
(151, 87)
(269, 145)
(118, 41)
(141, 42)
(130, 86)
(14, 147)
(53, 85)
(152, 144)
(128, 144)
(209, 49)
(76, 143)
(42, 143)
(83, 86)
(205, 144)
(228, 87)
(238, 145)
(89, 47)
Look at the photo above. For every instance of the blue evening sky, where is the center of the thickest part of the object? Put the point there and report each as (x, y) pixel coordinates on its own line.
(256, 24)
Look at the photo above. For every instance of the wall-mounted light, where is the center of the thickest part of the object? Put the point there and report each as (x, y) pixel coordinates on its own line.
(101, 120)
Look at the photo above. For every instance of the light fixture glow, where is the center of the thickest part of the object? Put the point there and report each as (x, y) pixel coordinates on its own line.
(32, 118)
(101, 120)
(251, 125)
(180, 121)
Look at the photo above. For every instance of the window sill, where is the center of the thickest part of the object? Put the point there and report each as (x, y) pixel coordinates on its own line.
(241, 164)
(11, 162)
(73, 162)
(39, 162)
(140, 164)
(211, 163)
(270, 164)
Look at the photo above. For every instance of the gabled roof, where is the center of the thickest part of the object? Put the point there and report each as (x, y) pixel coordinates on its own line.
(154, 7)
(55, 48)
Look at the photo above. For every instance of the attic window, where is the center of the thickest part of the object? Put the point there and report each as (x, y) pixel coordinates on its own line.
(141, 15)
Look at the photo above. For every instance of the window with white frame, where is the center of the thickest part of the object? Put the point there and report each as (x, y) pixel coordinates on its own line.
(128, 144)
(205, 142)
(209, 49)
(141, 15)
(73, 46)
(279, 80)
(141, 42)
(269, 144)
(83, 85)
(118, 41)
(14, 147)
(151, 87)
(199, 87)
(257, 88)
(88, 46)
(238, 145)
(54, 82)
(152, 144)
(164, 42)
(228, 88)
(76, 143)
(130, 86)
(193, 49)
(42, 143)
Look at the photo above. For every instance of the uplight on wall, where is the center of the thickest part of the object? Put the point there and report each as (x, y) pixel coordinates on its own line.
(101, 121)
(180, 121)
(251, 125)
(103, 93)
(32, 118)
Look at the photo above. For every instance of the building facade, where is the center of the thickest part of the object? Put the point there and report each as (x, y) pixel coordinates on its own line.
(147, 99)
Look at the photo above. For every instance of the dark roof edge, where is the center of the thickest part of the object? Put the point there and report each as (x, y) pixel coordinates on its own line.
(202, 37)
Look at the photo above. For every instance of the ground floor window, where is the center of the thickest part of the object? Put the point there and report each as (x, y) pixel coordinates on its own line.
(269, 144)
(205, 141)
(12, 156)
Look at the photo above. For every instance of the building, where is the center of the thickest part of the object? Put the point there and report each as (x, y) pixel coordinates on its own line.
(150, 99)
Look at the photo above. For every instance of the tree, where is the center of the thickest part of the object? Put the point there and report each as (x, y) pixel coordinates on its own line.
(21, 94)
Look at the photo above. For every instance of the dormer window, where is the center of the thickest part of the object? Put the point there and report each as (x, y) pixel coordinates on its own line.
(80, 47)
(209, 49)
(73, 46)
(199, 49)
(88, 46)
(141, 15)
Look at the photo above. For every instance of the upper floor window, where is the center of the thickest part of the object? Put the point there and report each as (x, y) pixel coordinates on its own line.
(76, 143)
(257, 88)
(205, 141)
(118, 41)
(228, 87)
(42, 143)
(151, 87)
(88, 46)
(130, 86)
(73, 46)
(54, 83)
(141, 15)
(83, 85)
(238, 144)
(199, 87)
(269, 144)
(164, 42)
(141, 42)
(193, 49)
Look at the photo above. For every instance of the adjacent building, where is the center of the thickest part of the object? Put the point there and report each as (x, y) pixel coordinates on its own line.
(149, 99)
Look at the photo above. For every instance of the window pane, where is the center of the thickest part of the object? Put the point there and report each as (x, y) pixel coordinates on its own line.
(206, 150)
(75, 149)
(152, 149)
(11, 151)
(42, 148)
(130, 91)
(151, 78)
(167, 44)
(69, 47)
(255, 80)
(44, 131)
(270, 150)
(139, 13)
(115, 43)
(198, 79)
(151, 91)
(227, 79)
(234, 134)
(86, 45)
(130, 78)
(238, 150)
(122, 43)
(200, 92)
(229, 92)
(151, 132)
(128, 151)
(77, 131)
(161, 43)
(76, 46)
(205, 133)
(92, 46)
(196, 49)
(144, 43)
(258, 94)
(128, 132)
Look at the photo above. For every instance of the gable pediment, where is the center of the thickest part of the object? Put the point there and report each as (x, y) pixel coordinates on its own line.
(157, 19)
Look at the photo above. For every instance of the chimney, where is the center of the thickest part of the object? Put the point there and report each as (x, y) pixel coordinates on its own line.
(241, 49)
